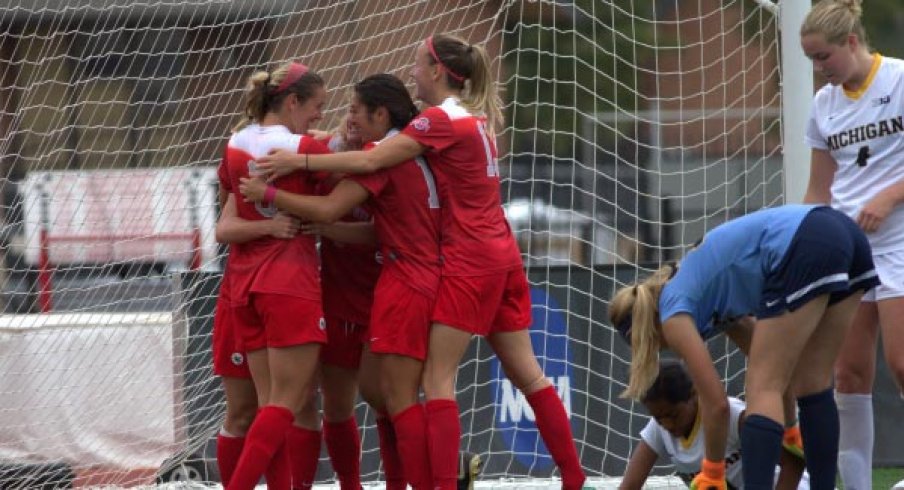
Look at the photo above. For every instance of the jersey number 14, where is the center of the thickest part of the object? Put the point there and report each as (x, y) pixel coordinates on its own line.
(489, 149)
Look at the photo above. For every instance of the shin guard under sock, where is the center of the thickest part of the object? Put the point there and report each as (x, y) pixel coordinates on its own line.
(266, 435)
(818, 416)
(343, 444)
(555, 429)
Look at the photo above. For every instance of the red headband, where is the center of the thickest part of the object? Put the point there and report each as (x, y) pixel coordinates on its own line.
(451, 73)
(296, 71)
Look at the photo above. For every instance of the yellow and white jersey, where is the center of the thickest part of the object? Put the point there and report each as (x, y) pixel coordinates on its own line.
(864, 133)
(687, 454)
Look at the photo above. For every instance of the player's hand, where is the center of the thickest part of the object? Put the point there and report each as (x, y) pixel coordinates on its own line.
(711, 476)
(319, 134)
(874, 212)
(278, 163)
(352, 135)
(314, 228)
(252, 189)
(346, 138)
(793, 442)
(702, 482)
(284, 226)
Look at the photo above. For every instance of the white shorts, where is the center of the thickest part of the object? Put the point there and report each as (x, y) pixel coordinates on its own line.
(890, 266)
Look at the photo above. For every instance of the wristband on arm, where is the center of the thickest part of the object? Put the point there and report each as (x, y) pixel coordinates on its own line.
(713, 469)
(269, 195)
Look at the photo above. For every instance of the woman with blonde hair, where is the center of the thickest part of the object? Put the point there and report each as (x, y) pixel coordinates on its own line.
(857, 165)
(800, 271)
(274, 283)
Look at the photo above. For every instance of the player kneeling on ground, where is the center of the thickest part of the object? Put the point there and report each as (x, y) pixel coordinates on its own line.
(674, 435)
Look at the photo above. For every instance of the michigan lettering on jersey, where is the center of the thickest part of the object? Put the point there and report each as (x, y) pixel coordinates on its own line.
(865, 133)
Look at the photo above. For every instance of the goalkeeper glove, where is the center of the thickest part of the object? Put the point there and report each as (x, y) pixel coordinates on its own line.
(711, 476)
(793, 442)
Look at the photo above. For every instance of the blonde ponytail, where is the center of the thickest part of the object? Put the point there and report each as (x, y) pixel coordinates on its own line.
(635, 312)
(468, 69)
(482, 95)
(255, 99)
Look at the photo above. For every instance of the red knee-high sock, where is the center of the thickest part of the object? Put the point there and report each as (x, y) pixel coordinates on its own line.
(555, 429)
(229, 450)
(304, 453)
(343, 443)
(443, 439)
(267, 434)
(389, 453)
(411, 439)
(279, 474)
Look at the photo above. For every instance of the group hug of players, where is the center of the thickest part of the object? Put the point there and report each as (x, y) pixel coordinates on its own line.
(415, 258)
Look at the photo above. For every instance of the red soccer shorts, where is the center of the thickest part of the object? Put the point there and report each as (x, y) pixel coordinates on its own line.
(278, 320)
(228, 360)
(344, 343)
(482, 305)
(400, 319)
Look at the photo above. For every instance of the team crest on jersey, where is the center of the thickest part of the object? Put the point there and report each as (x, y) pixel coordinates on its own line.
(237, 358)
(322, 323)
(421, 124)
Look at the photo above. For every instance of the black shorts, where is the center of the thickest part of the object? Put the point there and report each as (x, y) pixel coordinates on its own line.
(828, 254)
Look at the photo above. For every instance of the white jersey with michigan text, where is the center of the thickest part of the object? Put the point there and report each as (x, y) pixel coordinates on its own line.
(864, 133)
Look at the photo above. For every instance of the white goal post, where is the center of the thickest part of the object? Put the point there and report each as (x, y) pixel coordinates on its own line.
(631, 127)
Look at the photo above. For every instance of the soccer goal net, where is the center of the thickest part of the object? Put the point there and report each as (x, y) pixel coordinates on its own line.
(631, 128)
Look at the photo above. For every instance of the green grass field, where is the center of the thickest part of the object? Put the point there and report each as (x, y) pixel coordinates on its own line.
(884, 478)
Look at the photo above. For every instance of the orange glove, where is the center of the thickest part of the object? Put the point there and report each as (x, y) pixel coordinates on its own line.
(711, 476)
(793, 442)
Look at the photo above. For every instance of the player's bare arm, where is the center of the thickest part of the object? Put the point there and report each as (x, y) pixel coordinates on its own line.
(359, 233)
(741, 333)
(233, 229)
(393, 151)
(325, 209)
(874, 212)
(681, 335)
(822, 173)
(639, 467)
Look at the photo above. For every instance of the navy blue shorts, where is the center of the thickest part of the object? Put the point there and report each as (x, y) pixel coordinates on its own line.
(829, 254)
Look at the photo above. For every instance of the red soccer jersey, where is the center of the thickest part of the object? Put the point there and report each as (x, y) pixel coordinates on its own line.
(223, 173)
(267, 264)
(223, 176)
(476, 238)
(406, 222)
(348, 272)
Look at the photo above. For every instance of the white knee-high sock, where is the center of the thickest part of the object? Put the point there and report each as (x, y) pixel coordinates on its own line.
(855, 448)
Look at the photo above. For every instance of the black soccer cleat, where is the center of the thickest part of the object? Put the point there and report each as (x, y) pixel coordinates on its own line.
(469, 465)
